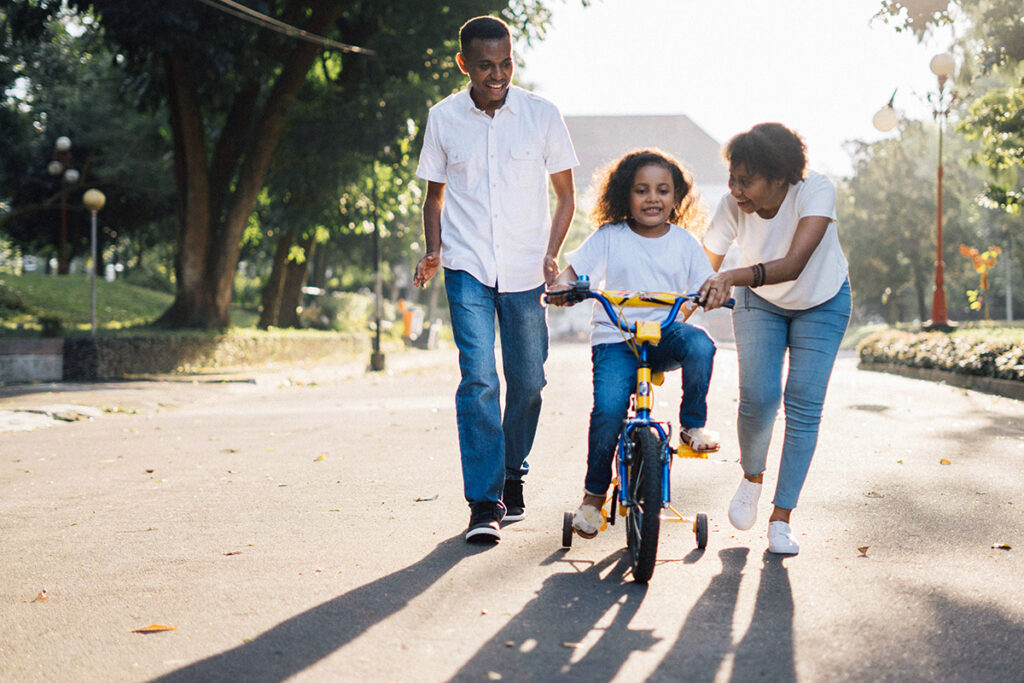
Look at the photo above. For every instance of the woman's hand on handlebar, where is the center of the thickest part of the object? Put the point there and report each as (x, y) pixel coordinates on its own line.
(715, 291)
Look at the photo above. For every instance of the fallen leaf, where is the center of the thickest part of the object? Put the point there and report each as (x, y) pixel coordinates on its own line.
(155, 628)
(43, 597)
(863, 550)
(319, 458)
(995, 546)
(945, 462)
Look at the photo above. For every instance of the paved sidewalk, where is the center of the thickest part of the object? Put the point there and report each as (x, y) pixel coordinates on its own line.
(305, 524)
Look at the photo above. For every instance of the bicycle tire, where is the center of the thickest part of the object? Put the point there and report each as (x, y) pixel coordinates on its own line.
(643, 518)
(701, 530)
(567, 530)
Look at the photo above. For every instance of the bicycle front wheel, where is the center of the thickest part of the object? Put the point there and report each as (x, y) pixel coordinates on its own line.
(643, 519)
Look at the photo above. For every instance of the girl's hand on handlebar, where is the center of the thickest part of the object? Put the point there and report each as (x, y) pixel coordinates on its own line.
(714, 293)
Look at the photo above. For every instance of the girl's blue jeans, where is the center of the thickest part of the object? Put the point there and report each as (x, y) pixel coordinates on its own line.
(681, 346)
(764, 334)
(494, 446)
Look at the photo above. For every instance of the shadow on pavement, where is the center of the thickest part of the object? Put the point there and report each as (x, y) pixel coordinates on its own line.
(766, 651)
(300, 642)
(705, 640)
(568, 608)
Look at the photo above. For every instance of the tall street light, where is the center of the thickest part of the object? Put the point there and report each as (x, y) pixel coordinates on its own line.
(61, 165)
(942, 65)
(94, 201)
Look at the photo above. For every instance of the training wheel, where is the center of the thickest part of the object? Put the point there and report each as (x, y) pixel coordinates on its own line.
(567, 530)
(700, 528)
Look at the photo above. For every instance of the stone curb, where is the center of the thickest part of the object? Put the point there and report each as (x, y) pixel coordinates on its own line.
(989, 385)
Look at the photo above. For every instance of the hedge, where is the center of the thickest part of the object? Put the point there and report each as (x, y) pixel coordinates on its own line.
(972, 352)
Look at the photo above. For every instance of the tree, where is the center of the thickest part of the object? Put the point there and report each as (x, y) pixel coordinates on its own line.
(888, 226)
(65, 83)
(230, 86)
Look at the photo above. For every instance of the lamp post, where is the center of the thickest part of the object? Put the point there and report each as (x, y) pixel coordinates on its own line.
(377, 360)
(942, 65)
(94, 201)
(61, 165)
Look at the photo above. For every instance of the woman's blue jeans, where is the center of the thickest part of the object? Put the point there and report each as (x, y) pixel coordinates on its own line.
(681, 345)
(494, 447)
(764, 333)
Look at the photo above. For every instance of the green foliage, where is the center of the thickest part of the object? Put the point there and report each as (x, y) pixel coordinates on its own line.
(66, 83)
(996, 121)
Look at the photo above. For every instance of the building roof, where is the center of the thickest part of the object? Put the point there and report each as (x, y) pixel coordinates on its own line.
(600, 140)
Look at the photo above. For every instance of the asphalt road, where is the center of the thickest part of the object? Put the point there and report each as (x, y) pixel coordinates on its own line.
(305, 523)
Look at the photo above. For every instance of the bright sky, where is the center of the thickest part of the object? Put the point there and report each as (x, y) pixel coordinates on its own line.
(821, 67)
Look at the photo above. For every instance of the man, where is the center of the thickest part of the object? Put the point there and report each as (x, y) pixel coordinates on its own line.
(487, 153)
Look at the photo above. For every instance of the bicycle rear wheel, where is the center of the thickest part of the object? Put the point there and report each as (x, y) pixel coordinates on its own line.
(643, 518)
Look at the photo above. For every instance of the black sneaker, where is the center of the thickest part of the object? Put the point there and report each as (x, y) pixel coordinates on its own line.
(484, 522)
(515, 509)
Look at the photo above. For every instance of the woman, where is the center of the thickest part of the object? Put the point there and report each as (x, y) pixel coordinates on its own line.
(793, 296)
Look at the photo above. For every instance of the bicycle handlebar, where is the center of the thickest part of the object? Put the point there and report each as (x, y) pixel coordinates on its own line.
(580, 291)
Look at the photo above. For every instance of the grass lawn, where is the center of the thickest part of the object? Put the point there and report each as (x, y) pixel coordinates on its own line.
(25, 299)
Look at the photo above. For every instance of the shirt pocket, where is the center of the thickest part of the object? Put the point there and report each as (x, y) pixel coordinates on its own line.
(526, 165)
(462, 173)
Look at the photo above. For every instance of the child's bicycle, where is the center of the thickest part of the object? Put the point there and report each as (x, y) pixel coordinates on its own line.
(640, 483)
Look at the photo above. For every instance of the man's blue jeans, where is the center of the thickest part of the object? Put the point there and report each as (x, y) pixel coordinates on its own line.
(681, 345)
(764, 333)
(494, 447)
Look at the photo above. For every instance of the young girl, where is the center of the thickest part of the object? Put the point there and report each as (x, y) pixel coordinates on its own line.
(645, 199)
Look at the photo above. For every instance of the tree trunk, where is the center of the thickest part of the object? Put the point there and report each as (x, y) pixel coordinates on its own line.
(295, 276)
(270, 315)
(921, 291)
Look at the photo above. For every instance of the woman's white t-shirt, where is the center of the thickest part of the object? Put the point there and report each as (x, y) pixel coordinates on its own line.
(762, 240)
(616, 258)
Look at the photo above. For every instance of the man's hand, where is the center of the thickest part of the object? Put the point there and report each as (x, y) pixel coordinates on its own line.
(426, 269)
(550, 270)
(558, 297)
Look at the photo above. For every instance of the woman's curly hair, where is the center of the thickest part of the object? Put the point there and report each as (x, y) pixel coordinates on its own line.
(616, 182)
(769, 150)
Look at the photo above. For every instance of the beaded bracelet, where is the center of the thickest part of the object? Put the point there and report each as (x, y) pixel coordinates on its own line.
(758, 275)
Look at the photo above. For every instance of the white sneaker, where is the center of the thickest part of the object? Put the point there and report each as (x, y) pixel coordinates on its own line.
(743, 508)
(780, 539)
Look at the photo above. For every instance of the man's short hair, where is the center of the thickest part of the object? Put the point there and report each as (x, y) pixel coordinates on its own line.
(482, 28)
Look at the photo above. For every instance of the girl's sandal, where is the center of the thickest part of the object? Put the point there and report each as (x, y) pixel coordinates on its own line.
(699, 439)
(588, 519)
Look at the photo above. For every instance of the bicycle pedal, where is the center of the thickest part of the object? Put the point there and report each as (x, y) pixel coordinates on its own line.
(685, 451)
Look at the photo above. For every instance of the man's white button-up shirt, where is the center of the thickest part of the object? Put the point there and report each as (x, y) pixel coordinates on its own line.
(496, 221)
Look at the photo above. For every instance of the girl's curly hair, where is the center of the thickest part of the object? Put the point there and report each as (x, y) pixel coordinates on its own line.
(616, 182)
(769, 150)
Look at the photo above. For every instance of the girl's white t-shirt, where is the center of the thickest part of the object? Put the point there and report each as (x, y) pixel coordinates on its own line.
(616, 258)
(762, 240)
